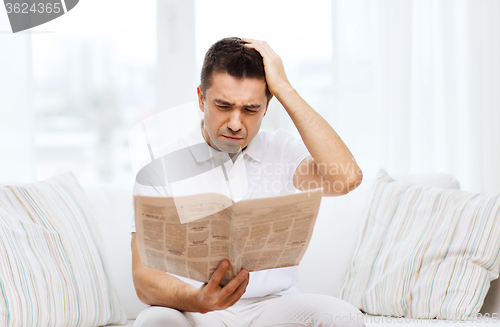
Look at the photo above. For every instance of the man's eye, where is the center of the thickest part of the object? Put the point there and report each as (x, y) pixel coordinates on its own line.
(223, 107)
(252, 110)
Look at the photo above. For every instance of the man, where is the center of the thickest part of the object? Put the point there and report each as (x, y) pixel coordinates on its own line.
(239, 77)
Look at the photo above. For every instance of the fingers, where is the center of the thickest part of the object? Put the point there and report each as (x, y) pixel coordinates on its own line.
(253, 41)
(240, 291)
(246, 39)
(212, 297)
(232, 293)
(260, 46)
(229, 289)
(214, 281)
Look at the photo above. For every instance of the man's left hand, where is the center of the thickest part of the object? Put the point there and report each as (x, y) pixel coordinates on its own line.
(273, 66)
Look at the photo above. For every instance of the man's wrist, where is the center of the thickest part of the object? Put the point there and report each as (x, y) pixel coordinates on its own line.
(192, 301)
(284, 91)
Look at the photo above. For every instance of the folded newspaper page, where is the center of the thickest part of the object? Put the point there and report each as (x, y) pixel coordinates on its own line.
(254, 234)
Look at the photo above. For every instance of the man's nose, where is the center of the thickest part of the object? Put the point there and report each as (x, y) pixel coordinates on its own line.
(234, 122)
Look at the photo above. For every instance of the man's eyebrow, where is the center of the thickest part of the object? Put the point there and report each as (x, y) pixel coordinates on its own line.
(226, 103)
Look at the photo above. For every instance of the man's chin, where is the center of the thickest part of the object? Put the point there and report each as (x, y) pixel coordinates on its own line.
(226, 145)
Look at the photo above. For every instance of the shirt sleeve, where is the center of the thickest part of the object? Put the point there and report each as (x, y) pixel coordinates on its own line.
(294, 152)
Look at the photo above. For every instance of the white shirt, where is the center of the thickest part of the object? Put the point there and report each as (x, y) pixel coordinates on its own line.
(264, 169)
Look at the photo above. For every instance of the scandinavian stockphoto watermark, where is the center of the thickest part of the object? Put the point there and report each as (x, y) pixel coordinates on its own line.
(452, 318)
(25, 14)
(328, 318)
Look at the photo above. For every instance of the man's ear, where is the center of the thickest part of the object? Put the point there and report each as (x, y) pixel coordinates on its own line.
(201, 101)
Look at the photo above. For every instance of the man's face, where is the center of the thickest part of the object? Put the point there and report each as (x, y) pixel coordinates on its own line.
(233, 110)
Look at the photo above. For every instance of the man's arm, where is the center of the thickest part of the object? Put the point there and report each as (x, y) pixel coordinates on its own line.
(156, 287)
(331, 164)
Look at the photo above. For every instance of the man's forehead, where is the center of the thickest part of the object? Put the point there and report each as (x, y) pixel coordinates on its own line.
(230, 90)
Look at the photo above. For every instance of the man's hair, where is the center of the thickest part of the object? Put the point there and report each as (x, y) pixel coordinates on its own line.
(230, 55)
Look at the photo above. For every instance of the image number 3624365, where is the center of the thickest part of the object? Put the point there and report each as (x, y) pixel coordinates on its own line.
(25, 14)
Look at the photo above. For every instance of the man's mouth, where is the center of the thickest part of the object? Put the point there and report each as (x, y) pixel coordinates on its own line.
(232, 138)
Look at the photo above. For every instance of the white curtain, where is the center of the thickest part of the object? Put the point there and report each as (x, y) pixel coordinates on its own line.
(416, 87)
(17, 150)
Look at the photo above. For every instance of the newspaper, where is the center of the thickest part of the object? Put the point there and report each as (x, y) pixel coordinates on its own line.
(254, 234)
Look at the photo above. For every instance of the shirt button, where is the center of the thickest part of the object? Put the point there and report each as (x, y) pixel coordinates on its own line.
(231, 177)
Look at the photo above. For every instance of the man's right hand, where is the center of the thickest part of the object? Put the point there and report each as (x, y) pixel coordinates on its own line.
(212, 297)
(155, 287)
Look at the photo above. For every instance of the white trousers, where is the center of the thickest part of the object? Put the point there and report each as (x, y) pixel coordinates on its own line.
(272, 310)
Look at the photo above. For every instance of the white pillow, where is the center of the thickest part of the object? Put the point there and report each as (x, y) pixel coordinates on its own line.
(430, 180)
(115, 209)
(53, 269)
(424, 252)
(337, 227)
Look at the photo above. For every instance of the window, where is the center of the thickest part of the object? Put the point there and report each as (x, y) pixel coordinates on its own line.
(94, 76)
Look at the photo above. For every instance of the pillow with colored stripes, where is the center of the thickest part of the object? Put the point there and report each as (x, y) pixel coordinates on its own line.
(53, 269)
(424, 252)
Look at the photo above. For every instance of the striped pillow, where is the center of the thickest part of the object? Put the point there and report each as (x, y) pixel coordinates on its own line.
(424, 252)
(53, 269)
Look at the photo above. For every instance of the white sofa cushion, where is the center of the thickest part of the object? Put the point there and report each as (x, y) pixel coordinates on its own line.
(53, 270)
(334, 236)
(114, 209)
(337, 227)
(424, 252)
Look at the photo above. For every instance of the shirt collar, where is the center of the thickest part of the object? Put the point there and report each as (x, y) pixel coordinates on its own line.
(255, 148)
(202, 151)
(198, 146)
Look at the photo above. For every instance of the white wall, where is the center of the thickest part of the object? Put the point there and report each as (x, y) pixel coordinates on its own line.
(176, 73)
(17, 160)
(413, 85)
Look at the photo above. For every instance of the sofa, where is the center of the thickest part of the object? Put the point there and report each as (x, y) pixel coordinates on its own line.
(322, 270)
